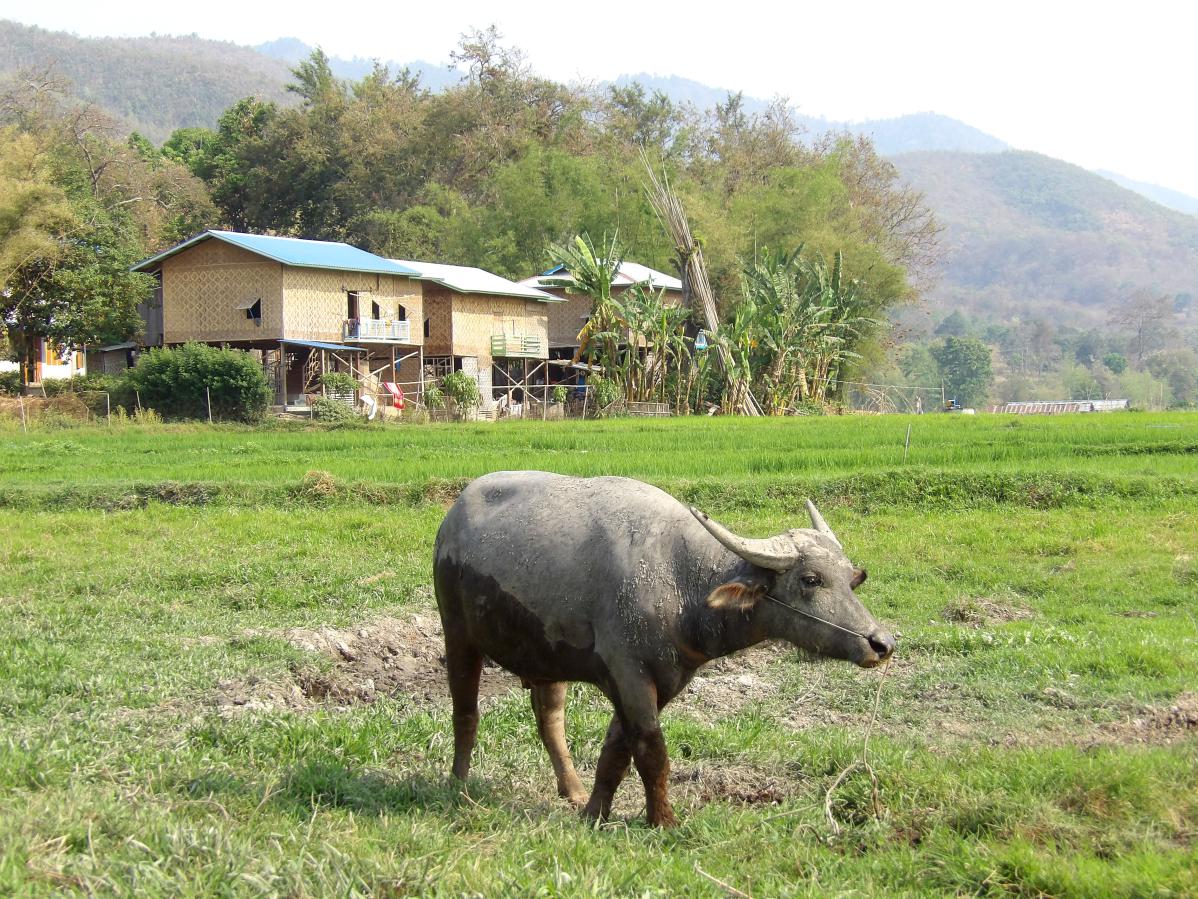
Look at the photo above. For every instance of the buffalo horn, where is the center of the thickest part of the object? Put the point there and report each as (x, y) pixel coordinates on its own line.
(817, 522)
(779, 553)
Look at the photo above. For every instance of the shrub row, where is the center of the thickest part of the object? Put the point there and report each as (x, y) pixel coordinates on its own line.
(177, 382)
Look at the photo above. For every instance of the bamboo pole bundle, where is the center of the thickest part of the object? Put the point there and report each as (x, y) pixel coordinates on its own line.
(695, 282)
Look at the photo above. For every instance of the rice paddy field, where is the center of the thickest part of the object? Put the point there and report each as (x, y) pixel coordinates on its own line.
(219, 668)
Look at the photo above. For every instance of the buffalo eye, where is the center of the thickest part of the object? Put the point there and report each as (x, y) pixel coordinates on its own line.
(812, 580)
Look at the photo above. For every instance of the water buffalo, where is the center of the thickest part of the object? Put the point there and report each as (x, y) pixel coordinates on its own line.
(614, 582)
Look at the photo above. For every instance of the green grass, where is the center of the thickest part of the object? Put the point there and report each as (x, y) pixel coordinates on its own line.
(1042, 576)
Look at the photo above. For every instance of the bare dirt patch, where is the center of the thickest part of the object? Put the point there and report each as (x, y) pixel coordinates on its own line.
(403, 658)
(732, 783)
(983, 611)
(1154, 725)
(727, 686)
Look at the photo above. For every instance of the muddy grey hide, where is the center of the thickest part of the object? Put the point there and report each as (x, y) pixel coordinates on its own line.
(616, 583)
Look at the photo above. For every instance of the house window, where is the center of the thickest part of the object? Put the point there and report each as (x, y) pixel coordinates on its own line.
(401, 313)
(351, 305)
(427, 329)
(252, 309)
(375, 312)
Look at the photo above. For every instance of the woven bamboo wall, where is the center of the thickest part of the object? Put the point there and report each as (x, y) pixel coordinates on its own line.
(438, 309)
(203, 285)
(314, 301)
(479, 317)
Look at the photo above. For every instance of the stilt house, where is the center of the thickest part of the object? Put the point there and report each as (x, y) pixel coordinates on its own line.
(305, 306)
(494, 329)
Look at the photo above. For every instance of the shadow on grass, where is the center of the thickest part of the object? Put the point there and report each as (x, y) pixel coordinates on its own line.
(334, 785)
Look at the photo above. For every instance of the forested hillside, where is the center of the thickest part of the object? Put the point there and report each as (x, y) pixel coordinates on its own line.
(1027, 236)
(152, 85)
(1038, 278)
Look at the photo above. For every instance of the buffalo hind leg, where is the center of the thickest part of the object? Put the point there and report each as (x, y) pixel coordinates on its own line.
(610, 772)
(549, 706)
(464, 665)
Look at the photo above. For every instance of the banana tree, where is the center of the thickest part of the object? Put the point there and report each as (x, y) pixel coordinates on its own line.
(590, 272)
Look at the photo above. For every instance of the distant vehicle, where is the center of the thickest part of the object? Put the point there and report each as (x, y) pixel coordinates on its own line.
(952, 406)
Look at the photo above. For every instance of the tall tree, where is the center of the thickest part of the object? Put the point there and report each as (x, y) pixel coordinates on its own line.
(966, 368)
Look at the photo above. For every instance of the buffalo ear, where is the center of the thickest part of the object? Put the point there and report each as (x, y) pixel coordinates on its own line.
(859, 575)
(739, 594)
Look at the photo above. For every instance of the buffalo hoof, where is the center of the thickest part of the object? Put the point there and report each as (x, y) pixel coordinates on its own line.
(663, 819)
(578, 800)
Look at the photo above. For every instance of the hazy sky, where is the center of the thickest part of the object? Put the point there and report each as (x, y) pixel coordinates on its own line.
(1104, 85)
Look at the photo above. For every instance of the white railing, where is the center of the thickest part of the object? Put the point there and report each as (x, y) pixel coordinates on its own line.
(376, 329)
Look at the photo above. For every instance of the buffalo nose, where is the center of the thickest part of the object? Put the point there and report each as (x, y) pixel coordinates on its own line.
(882, 643)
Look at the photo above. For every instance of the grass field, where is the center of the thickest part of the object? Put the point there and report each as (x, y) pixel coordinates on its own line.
(171, 722)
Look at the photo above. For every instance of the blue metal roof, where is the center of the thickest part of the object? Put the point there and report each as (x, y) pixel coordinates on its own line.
(293, 251)
(316, 344)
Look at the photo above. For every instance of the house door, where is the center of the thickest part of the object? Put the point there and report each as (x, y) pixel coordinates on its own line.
(351, 305)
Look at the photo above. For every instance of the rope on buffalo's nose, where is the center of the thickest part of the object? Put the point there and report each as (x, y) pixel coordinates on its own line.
(862, 762)
(830, 624)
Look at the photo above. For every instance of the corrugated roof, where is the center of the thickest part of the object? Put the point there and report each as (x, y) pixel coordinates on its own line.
(466, 279)
(292, 251)
(316, 344)
(630, 273)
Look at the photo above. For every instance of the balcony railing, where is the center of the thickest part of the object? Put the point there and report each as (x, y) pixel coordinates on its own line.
(376, 329)
(503, 345)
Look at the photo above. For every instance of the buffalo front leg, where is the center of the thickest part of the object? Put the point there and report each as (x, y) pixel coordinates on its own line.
(549, 706)
(653, 765)
(464, 665)
(638, 705)
(612, 768)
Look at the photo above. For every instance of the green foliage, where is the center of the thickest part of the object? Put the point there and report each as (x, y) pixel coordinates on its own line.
(339, 382)
(1116, 363)
(798, 323)
(462, 389)
(1179, 370)
(82, 384)
(10, 383)
(604, 391)
(965, 364)
(434, 398)
(178, 383)
(334, 412)
(560, 393)
(953, 325)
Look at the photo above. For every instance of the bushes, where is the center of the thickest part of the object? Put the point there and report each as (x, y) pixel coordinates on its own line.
(177, 383)
(10, 383)
(339, 382)
(98, 382)
(462, 389)
(334, 411)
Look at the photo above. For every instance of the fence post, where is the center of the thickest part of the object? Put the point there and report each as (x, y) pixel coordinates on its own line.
(208, 394)
(108, 407)
(21, 403)
(907, 443)
(545, 401)
(137, 393)
(586, 395)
